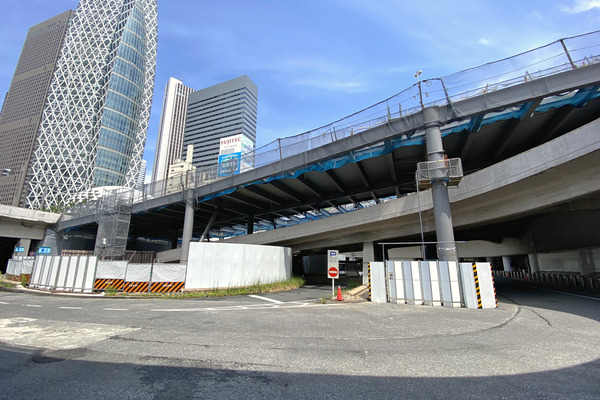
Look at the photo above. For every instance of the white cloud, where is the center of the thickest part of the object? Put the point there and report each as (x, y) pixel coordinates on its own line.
(582, 6)
(484, 42)
(327, 83)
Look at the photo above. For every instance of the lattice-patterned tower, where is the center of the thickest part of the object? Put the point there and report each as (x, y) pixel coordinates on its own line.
(94, 125)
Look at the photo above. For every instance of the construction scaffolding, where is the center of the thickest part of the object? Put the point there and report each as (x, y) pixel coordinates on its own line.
(113, 216)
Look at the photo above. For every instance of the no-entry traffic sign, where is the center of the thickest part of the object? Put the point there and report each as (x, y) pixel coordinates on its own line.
(333, 272)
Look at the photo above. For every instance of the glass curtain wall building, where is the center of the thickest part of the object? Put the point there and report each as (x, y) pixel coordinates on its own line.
(169, 145)
(220, 111)
(94, 124)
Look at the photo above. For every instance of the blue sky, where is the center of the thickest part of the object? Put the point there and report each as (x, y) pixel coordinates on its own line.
(316, 61)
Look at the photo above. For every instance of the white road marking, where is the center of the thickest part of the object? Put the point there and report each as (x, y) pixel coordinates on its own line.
(3, 302)
(71, 308)
(33, 305)
(266, 299)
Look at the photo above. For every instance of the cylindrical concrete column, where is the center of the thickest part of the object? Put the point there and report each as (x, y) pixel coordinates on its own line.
(188, 225)
(446, 246)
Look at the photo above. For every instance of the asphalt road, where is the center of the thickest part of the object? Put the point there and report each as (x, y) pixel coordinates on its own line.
(538, 344)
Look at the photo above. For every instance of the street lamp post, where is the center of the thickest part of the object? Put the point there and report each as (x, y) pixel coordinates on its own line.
(417, 75)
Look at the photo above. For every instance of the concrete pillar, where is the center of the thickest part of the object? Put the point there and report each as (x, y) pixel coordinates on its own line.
(506, 263)
(586, 261)
(368, 256)
(188, 225)
(446, 247)
(26, 244)
(533, 263)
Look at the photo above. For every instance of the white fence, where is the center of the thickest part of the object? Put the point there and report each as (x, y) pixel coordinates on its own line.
(64, 273)
(223, 265)
(211, 265)
(19, 267)
(433, 283)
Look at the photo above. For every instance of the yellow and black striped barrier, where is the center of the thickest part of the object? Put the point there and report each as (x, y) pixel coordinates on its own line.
(166, 287)
(136, 287)
(494, 286)
(477, 286)
(369, 274)
(103, 284)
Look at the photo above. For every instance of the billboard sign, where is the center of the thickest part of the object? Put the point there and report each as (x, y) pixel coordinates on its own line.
(235, 155)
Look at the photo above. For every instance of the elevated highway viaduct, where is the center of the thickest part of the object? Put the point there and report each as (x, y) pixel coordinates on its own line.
(544, 200)
(529, 154)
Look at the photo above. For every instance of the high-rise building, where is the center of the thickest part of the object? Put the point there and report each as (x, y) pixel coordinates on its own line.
(93, 126)
(24, 103)
(169, 145)
(220, 111)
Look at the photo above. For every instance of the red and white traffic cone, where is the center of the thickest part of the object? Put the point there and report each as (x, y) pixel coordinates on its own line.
(339, 295)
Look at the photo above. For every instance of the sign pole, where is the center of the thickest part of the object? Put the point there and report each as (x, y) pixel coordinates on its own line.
(333, 268)
(332, 287)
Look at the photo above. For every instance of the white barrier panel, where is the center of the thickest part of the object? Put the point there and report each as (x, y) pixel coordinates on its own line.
(45, 272)
(449, 284)
(13, 267)
(430, 283)
(138, 273)
(27, 265)
(412, 279)
(468, 285)
(391, 283)
(76, 273)
(111, 269)
(36, 273)
(400, 291)
(486, 285)
(223, 265)
(378, 292)
(67, 273)
(65, 266)
(85, 277)
(168, 273)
